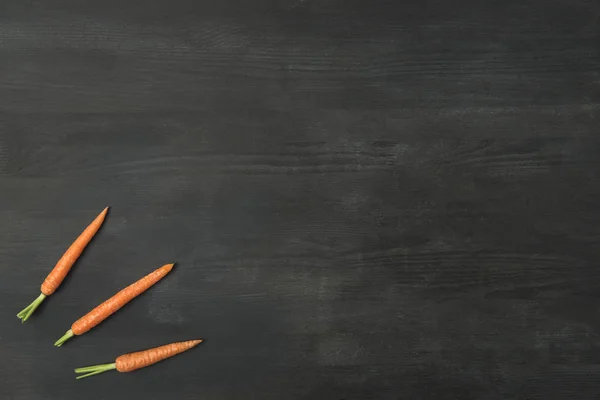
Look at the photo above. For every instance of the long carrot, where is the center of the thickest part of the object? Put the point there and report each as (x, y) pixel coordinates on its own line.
(63, 266)
(112, 305)
(132, 361)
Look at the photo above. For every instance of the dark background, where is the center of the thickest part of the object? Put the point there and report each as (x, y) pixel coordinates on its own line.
(365, 199)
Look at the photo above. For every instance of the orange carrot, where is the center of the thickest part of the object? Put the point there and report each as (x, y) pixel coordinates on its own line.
(112, 305)
(63, 266)
(132, 361)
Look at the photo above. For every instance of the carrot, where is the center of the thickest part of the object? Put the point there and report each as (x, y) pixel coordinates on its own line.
(63, 266)
(132, 361)
(112, 305)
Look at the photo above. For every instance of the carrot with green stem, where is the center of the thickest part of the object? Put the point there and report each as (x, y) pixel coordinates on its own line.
(132, 361)
(112, 305)
(63, 266)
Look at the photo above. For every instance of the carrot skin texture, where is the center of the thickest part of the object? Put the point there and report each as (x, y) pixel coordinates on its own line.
(112, 305)
(63, 266)
(132, 361)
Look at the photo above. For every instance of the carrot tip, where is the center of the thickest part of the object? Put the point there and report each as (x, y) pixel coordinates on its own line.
(64, 338)
(27, 311)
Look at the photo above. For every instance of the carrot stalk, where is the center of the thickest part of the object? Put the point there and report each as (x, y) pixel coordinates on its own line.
(27, 311)
(64, 338)
(112, 305)
(63, 266)
(94, 370)
(132, 361)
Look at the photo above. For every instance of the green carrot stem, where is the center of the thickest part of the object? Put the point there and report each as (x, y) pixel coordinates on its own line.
(64, 338)
(94, 370)
(86, 369)
(27, 311)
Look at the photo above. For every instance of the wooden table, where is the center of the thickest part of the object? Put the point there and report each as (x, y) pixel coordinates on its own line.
(365, 199)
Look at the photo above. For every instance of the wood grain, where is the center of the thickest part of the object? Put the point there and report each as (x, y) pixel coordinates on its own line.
(365, 200)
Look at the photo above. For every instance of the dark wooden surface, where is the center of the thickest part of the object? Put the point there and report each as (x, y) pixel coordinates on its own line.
(365, 199)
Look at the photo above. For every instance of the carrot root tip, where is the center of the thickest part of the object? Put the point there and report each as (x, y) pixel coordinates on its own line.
(64, 338)
(27, 311)
(94, 370)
